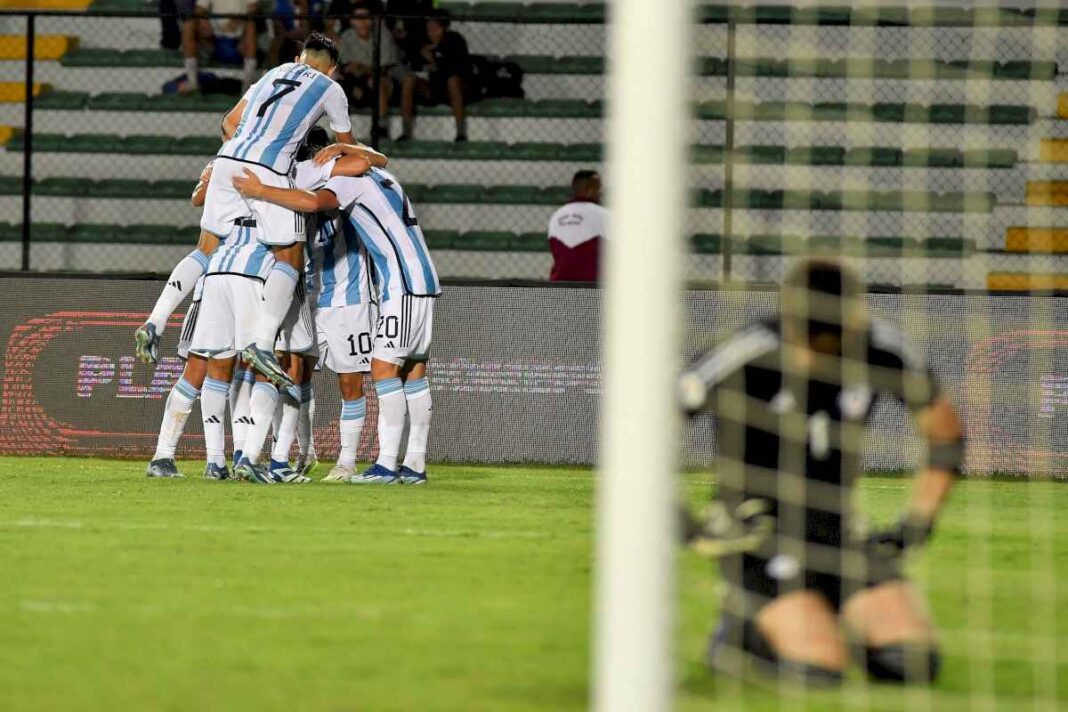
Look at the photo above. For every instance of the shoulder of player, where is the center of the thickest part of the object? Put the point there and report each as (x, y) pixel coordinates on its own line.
(746, 346)
(886, 339)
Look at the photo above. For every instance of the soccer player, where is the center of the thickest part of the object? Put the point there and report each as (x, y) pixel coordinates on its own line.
(377, 210)
(792, 398)
(263, 132)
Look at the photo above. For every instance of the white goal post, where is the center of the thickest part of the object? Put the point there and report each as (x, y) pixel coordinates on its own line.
(648, 133)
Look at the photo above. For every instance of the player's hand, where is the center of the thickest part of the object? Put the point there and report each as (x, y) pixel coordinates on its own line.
(205, 175)
(910, 531)
(250, 185)
(325, 155)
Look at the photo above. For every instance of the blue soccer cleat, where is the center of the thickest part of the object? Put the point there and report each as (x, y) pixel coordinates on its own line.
(266, 362)
(146, 343)
(237, 458)
(163, 467)
(217, 472)
(409, 476)
(375, 475)
(257, 474)
(284, 474)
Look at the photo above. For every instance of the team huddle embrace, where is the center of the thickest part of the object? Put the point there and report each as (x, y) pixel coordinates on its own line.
(309, 252)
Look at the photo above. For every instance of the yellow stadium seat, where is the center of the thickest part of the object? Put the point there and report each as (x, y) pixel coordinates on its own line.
(1023, 282)
(1036, 239)
(45, 4)
(1053, 150)
(45, 47)
(1047, 193)
(15, 92)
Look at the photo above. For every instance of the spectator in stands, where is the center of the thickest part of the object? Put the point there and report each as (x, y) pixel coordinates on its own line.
(171, 14)
(230, 40)
(357, 62)
(406, 19)
(340, 10)
(447, 65)
(576, 231)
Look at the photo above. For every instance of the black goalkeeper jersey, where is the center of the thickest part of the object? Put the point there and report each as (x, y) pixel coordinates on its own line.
(793, 437)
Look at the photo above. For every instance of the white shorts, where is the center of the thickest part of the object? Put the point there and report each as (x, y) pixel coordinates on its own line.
(189, 324)
(346, 337)
(226, 319)
(404, 329)
(223, 205)
(297, 334)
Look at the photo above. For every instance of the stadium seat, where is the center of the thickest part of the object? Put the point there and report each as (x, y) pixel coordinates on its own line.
(530, 242)
(1052, 193)
(515, 194)
(119, 101)
(440, 239)
(947, 247)
(1037, 239)
(484, 241)
(1024, 282)
(876, 156)
(45, 47)
(10, 185)
(706, 244)
(65, 187)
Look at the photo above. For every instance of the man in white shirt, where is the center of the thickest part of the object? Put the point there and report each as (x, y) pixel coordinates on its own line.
(576, 230)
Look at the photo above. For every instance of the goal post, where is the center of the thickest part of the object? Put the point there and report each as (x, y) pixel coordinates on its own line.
(649, 123)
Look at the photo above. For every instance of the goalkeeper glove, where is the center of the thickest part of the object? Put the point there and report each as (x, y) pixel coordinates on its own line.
(911, 531)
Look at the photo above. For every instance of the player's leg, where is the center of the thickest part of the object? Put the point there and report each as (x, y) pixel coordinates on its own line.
(175, 413)
(420, 408)
(306, 458)
(213, 401)
(285, 431)
(240, 395)
(895, 632)
(179, 285)
(262, 403)
(353, 413)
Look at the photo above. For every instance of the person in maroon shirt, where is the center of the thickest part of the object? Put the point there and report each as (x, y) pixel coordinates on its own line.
(576, 230)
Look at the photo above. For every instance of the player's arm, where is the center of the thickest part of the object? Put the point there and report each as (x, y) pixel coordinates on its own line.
(939, 425)
(232, 119)
(296, 199)
(375, 158)
(336, 106)
(201, 190)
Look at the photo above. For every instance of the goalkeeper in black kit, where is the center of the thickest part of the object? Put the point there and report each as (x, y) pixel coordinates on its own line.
(792, 398)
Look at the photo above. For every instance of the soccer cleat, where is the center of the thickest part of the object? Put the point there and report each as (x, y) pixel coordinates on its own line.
(146, 343)
(306, 463)
(217, 472)
(164, 467)
(266, 362)
(237, 458)
(340, 473)
(257, 474)
(290, 476)
(409, 476)
(375, 475)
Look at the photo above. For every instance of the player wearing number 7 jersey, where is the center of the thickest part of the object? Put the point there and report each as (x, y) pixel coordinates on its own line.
(376, 210)
(263, 133)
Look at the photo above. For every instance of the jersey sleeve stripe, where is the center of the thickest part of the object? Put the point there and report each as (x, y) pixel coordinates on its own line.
(734, 354)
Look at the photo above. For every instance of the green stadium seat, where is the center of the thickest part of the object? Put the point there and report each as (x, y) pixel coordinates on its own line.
(718, 14)
(554, 196)
(773, 155)
(193, 145)
(10, 232)
(825, 244)
(876, 156)
(62, 187)
(819, 15)
(171, 189)
(86, 143)
(889, 112)
(485, 241)
(767, 14)
(817, 156)
(118, 101)
(450, 194)
(760, 199)
(552, 152)
(706, 244)
(580, 65)
(760, 245)
(823, 200)
(513, 195)
(212, 103)
(498, 108)
(10, 185)
(990, 158)
(440, 239)
(503, 11)
(707, 154)
(1008, 114)
(948, 113)
(92, 57)
(712, 67)
(48, 232)
(122, 188)
(887, 246)
(711, 110)
(530, 242)
(705, 198)
(933, 158)
(155, 58)
(61, 101)
(947, 247)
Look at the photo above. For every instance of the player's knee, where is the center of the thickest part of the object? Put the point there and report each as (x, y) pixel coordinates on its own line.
(903, 663)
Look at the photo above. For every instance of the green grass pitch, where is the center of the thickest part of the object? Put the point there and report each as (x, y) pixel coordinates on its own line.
(473, 593)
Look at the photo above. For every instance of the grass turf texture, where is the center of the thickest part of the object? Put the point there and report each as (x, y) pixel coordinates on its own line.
(472, 593)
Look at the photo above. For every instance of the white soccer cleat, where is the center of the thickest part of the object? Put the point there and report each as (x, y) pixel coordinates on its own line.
(306, 463)
(340, 473)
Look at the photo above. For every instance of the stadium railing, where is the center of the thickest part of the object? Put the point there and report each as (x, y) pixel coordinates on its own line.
(923, 140)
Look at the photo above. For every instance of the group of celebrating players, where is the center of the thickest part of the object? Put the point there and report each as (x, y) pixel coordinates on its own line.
(309, 250)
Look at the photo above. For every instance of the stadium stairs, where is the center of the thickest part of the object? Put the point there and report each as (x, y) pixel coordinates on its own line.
(115, 161)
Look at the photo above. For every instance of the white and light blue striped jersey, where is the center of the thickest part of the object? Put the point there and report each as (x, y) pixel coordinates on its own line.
(281, 107)
(378, 212)
(339, 266)
(242, 253)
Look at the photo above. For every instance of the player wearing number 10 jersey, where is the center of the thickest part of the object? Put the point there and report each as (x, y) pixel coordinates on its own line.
(376, 211)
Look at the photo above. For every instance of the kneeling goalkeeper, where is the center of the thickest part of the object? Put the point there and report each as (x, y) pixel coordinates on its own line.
(792, 399)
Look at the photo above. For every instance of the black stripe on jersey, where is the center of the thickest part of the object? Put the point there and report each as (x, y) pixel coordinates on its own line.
(254, 163)
(235, 274)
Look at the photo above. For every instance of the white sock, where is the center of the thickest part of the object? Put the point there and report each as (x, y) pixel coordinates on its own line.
(391, 410)
(277, 296)
(285, 428)
(420, 408)
(249, 72)
(352, 415)
(240, 395)
(213, 399)
(305, 432)
(264, 398)
(191, 71)
(179, 285)
(179, 406)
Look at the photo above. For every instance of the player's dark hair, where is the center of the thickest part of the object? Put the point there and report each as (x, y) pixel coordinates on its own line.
(441, 16)
(818, 296)
(318, 42)
(317, 138)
